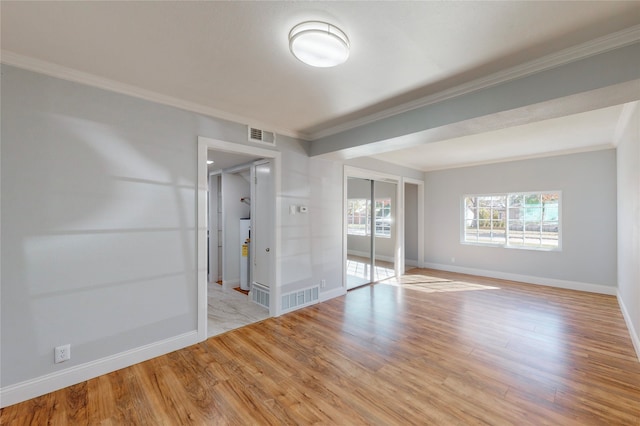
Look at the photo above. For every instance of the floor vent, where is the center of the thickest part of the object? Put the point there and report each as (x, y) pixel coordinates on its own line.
(300, 298)
(260, 294)
(262, 136)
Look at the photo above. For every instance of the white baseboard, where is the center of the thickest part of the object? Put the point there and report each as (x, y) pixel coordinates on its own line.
(366, 255)
(635, 337)
(23, 391)
(336, 292)
(549, 282)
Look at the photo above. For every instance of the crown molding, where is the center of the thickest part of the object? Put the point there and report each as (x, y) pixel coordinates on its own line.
(594, 47)
(69, 74)
(581, 51)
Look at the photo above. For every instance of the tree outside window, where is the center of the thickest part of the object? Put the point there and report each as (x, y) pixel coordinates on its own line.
(526, 220)
(359, 217)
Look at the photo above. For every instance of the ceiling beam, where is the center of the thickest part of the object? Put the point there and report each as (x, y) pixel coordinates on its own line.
(598, 81)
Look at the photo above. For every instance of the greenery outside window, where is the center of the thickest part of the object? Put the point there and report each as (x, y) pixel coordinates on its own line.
(359, 217)
(521, 220)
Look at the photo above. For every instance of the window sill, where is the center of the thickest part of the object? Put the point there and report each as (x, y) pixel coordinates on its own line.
(505, 246)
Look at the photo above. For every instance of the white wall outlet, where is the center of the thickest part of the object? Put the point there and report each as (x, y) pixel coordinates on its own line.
(453, 260)
(293, 209)
(62, 353)
(323, 283)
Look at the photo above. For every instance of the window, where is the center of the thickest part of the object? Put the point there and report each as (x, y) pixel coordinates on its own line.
(525, 220)
(359, 217)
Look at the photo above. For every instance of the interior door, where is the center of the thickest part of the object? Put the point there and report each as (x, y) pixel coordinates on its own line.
(263, 224)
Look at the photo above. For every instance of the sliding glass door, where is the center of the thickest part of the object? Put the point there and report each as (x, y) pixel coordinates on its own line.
(370, 231)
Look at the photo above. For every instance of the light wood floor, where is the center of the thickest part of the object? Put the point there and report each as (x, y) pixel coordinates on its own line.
(437, 349)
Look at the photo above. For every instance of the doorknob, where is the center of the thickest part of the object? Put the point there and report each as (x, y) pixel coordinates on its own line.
(267, 249)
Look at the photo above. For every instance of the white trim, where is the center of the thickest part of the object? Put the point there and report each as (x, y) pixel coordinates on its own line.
(23, 391)
(633, 333)
(70, 74)
(549, 282)
(331, 294)
(506, 245)
(398, 250)
(626, 115)
(591, 48)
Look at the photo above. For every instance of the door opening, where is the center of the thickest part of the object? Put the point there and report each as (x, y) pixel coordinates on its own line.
(227, 197)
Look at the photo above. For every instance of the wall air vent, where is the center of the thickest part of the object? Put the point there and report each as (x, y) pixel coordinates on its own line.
(260, 294)
(261, 136)
(300, 298)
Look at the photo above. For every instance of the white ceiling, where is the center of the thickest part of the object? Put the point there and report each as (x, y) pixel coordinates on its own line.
(224, 160)
(591, 130)
(231, 59)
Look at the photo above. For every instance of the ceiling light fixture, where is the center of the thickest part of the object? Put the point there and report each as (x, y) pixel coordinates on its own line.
(319, 44)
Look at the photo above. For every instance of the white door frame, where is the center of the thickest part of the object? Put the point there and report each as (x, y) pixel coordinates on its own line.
(204, 145)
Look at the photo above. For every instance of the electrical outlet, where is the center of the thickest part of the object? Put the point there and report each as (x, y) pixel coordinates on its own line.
(62, 353)
(323, 283)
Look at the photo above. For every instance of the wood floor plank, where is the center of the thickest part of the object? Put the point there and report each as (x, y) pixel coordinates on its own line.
(431, 347)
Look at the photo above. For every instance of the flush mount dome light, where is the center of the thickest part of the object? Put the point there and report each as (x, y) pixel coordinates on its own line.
(319, 44)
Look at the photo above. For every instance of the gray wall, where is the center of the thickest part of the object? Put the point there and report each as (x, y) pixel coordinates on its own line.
(411, 223)
(629, 223)
(311, 247)
(588, 185)
(98, 221)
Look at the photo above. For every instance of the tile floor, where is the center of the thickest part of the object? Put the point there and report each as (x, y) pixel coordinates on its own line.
(230, 309)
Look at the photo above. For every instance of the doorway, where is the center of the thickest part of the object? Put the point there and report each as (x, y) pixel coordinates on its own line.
(227, 194)
(239, 212)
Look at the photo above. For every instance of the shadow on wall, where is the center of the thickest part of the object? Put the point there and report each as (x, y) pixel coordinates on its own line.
(94, 227)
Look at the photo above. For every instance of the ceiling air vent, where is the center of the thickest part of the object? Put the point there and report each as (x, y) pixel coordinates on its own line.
(262, 136)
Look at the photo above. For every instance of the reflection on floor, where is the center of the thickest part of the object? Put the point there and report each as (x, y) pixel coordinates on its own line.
(416, 279)
(228, 310)
(359, 271)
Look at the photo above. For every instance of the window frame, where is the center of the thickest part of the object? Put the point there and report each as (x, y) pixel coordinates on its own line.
(368, 216)
(507, 220)
(385, 205)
